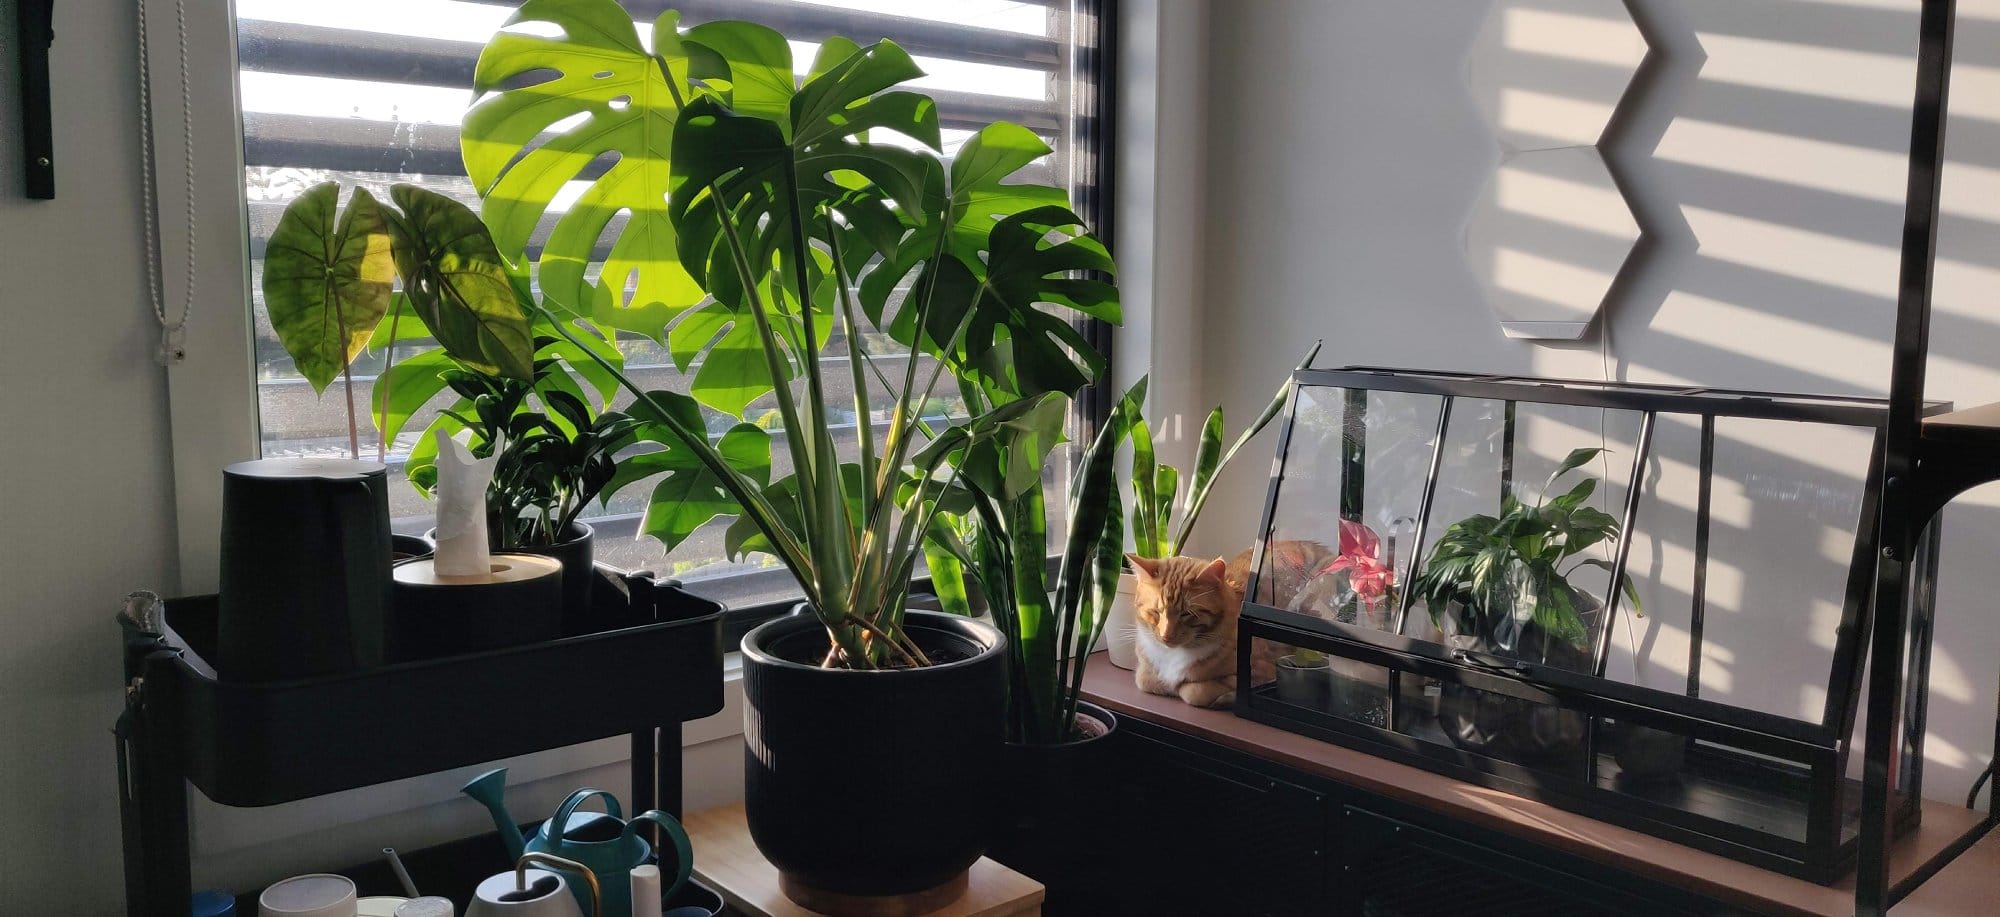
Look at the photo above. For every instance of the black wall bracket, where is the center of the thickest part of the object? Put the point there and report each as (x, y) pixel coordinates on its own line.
(35, 26)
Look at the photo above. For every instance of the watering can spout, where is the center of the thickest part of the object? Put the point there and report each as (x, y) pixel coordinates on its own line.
(489, 789)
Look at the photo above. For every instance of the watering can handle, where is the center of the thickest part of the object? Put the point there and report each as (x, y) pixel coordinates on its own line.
(671, 834)
(559, 822)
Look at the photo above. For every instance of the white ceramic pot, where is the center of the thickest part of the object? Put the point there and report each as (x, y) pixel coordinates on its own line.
(1121, 627)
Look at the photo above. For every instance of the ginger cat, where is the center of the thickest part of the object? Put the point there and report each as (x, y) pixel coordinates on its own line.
(1187, 609)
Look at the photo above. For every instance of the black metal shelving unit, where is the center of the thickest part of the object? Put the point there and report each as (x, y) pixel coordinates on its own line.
(654, 663)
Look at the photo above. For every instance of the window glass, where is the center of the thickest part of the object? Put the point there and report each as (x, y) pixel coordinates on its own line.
(370, 93)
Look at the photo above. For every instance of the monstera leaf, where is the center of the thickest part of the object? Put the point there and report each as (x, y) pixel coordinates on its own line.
(458, 285)
(1003, 253)
(327, 279)
(691, 494)
(608, 96)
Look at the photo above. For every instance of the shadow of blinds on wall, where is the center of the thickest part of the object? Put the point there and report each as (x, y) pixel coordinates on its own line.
(372, 92)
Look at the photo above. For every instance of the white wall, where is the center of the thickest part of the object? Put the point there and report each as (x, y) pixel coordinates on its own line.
(84, 474)
(1763, 149)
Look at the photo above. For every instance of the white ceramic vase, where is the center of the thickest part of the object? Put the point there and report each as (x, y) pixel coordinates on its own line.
(1121, 627)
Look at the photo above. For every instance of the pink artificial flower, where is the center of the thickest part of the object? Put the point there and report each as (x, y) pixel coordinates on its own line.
(1360, 556)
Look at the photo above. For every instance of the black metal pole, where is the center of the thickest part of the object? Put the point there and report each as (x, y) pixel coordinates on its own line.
(1906, 393)
(1602, 655)
(1698, 614)
(35, 29)
(1424, 511)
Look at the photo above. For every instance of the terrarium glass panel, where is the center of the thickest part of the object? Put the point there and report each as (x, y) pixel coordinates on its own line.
(1644, 601)
(1345, 513)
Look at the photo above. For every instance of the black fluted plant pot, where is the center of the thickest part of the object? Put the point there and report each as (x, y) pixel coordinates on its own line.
(576, 553)
(872, 782)
(1056, 800)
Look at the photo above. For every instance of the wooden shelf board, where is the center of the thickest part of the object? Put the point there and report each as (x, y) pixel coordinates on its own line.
(1980, 424)
(1968, 886)
(726, 859)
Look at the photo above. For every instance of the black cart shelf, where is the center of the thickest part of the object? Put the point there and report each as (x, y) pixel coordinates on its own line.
(655, 663)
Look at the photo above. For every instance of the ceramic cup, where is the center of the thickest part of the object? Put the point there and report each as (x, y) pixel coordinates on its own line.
(319, 895)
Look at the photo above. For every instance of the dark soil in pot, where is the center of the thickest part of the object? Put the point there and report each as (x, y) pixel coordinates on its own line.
(926, 743)
(1056, 800)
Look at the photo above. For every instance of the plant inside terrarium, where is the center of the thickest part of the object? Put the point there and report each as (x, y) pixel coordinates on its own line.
(1491, 575)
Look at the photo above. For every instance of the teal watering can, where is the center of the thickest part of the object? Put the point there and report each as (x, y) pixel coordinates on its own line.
(604, 842)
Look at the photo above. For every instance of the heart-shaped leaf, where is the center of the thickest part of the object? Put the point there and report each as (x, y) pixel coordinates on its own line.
(458, 284)
(327, 279)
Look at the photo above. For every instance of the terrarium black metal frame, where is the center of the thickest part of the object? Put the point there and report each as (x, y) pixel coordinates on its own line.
(1802, 760)
(1924, 460)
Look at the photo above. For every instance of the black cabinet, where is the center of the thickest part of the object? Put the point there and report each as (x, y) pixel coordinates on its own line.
(1198, 829)
(1197, 835)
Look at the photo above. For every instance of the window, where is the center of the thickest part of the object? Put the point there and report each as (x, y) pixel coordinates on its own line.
(371, 92)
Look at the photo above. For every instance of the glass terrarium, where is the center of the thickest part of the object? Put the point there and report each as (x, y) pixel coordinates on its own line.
(1644, 603)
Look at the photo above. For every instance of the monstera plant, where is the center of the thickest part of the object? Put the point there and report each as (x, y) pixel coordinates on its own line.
(759, 216)
(801, 246)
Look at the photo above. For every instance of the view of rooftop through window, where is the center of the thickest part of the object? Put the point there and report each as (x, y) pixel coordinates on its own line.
(370, 93)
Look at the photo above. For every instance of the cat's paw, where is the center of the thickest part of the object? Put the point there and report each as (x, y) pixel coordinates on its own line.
(1207, 694)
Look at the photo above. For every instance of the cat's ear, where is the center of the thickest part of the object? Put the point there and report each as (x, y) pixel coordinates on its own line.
(1216, 572)
(1147, 568)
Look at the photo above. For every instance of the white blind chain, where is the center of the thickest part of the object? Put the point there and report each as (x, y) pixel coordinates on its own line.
(173, 347)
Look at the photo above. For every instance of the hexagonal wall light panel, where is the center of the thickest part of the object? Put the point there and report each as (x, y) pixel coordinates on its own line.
(1547, 237)
(1549, 73)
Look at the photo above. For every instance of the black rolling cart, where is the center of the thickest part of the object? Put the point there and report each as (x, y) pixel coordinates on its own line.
(655, 663)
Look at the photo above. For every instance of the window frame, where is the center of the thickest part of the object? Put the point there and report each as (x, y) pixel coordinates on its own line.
(212, 394)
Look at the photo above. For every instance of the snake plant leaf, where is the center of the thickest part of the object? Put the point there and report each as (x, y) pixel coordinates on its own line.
(595, 92)
(458, 284)
(687, 499)
(327, 279)
(744, 537)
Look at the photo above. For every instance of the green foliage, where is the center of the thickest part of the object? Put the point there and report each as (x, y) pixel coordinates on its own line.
(557, 451)
(328, 283)
(1484, 567)
(762, 219)
(997, 535)
(327, 279)
(625, 101)
(1155, 484)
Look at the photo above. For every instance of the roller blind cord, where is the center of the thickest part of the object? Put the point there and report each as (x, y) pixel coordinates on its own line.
(173, 347)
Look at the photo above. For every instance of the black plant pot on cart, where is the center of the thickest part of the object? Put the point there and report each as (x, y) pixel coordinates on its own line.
(872, 783)
(1056, 798)
(579, 572)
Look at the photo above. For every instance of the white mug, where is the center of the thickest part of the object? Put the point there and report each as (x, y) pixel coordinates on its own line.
(318, 895)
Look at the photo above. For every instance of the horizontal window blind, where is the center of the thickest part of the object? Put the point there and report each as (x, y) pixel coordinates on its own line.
(371, 93)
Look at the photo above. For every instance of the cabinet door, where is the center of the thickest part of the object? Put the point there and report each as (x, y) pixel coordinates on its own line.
(1198, 835)
(1388, 868)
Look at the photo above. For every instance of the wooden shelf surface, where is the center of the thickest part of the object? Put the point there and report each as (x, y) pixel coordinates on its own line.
(1979, 425)
(1970, 885)
(726, 859)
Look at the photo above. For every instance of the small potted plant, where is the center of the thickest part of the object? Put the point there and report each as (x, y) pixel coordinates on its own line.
(1500, 587)
(558, 453)
(1305, 678)
(1155, 489)
(1055, 762)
